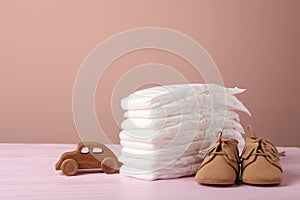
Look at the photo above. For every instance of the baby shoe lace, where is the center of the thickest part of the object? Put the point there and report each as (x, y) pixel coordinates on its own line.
(265, 147)
(225, 150)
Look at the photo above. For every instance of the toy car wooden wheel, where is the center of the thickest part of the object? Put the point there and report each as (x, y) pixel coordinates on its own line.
(109, 165)
(69, 167)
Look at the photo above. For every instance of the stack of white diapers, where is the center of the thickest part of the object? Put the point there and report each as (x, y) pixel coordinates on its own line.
(168, 128)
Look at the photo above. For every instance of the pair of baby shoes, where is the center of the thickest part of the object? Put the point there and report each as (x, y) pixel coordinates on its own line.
(259, 162)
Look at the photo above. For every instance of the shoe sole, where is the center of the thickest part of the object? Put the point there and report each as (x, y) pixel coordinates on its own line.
(262, 182)
(215, 182)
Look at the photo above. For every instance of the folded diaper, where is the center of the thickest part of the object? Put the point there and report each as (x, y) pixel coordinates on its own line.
(163, 173)
(172, 136)
(172, 109)
(157, 96)
(168, 129)
(151, 165)
(179, 139)
(157, 123)
(207, 102)
(195, 121)
(153, 149)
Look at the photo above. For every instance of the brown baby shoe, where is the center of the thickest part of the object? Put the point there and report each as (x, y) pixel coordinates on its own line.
(260, 161)
(220, 166)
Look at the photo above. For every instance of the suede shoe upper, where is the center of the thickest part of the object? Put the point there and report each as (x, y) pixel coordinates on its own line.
(220, 166)
(260, 161)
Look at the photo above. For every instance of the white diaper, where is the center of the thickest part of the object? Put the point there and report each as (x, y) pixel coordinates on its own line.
(165, 173)
(157, 96)
(171, 110)
(179, 139)
(157, 123)
(174, 137)
(194, 121)
(167, 153)
(151, 165)
(168, 129)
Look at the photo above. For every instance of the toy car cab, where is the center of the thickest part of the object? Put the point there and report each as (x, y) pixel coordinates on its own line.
(88, 155)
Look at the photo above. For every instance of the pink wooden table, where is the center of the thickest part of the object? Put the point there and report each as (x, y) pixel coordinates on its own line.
(27, 172)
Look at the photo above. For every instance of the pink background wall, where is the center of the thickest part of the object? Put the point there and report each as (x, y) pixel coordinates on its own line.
(256, 45)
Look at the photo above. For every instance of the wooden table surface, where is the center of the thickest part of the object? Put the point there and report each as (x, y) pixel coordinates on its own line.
(27, 172)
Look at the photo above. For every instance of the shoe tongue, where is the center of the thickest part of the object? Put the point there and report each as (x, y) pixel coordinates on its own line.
(230, 149)
(251, 131)
(229, 141)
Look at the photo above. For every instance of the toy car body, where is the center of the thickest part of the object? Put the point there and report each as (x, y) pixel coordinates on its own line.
(88, 155)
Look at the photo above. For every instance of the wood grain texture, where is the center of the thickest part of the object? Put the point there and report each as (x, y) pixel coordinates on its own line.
(27, 172)
(86, 157)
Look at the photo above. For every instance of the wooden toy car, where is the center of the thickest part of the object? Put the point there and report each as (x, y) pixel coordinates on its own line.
(88, 155)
